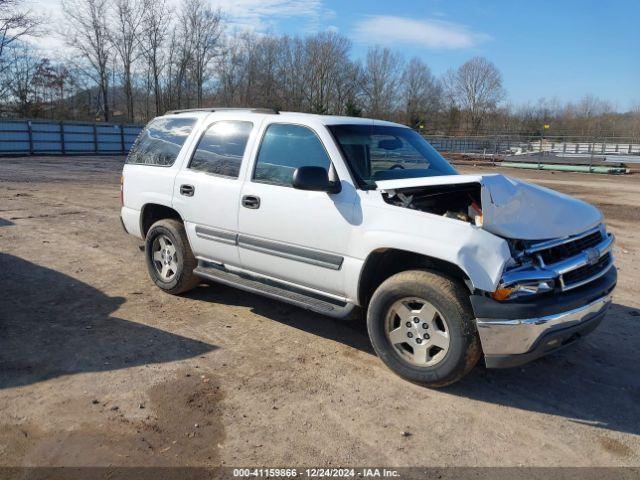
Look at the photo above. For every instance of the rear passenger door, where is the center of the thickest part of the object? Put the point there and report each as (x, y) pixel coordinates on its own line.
(207, 189)
(152, 165)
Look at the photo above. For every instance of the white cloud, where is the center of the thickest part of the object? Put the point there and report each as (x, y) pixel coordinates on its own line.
(261, 15)
(428, 33)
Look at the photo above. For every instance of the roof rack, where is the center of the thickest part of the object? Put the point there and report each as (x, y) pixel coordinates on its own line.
(224, 109)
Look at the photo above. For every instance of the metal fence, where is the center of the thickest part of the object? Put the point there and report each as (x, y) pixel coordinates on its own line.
(616, 149)
(41, 137)
(37, 137)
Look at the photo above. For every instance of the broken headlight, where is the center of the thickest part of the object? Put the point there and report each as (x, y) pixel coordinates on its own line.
(523, 289)
(523, 276)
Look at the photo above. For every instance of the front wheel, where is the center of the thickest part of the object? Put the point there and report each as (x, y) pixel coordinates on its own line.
(170, 261)
(422, 327)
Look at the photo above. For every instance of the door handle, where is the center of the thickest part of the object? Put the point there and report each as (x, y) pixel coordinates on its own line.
(187, 190)
(251, 201)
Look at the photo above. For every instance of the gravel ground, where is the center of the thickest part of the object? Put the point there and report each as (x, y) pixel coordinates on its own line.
(99, 367)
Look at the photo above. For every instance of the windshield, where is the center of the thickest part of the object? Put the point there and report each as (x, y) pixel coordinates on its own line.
(377, 152)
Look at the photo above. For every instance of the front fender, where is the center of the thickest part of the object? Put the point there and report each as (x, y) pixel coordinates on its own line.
(480, 254)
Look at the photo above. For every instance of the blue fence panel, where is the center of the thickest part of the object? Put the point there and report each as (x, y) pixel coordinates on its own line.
(38, 137)
(46, 137)
(45, 127)
(78, 128)
(80, 147)
(14, 126)
(14, 136)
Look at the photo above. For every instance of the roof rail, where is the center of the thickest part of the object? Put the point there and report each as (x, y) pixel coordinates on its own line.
(224, 109)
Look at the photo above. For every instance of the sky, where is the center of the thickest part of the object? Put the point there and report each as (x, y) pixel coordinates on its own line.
(561, 49)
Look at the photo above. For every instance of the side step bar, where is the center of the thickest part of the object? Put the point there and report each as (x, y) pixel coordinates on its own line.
(301, 298)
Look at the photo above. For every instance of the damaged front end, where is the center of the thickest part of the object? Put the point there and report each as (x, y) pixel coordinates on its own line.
(557, 242)
(561, 264)
(557, 285)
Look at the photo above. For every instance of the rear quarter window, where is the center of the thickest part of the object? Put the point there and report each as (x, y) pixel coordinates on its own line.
(161, 141)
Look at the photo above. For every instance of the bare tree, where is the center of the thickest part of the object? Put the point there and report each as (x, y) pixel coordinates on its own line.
(348, 95)
(86, 32)
(15, 23)
(22, 66)
(179, 54)
(635, 119)
(421, 92)
(291, 73)
(231, 72)
(50, 83)
(203, 26)
(124, 35)
(153, 40)
(312, 74)
(262, 87)
(475, 87)
(381, 79)
(327, 62)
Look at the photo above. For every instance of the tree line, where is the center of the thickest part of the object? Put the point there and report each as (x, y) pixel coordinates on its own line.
(131, 60)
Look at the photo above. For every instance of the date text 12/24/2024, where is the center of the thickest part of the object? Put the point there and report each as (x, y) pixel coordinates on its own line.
(315, 473)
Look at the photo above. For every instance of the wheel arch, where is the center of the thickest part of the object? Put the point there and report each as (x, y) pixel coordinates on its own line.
(382, 263)
(152, 212)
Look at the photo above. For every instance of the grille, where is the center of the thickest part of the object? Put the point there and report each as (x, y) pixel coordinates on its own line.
(586, 272)
(570, 249)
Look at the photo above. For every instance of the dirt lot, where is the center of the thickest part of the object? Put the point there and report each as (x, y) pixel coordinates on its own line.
(98, 367)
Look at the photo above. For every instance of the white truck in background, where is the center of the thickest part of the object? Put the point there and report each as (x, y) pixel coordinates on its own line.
(334, 214)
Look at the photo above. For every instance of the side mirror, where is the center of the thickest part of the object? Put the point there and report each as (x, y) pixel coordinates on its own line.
(315, 179)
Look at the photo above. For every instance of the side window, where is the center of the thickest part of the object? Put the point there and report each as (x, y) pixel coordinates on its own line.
(160, 142)
(285, 148)
(221, 148)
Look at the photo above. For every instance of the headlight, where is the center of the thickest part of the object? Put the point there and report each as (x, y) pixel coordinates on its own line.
(524, 277)
(523, 289)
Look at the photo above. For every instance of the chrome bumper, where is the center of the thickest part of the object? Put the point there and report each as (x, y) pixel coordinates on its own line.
(516, 337)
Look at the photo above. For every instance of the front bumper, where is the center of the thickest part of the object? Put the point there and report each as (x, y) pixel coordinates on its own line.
(514, 333)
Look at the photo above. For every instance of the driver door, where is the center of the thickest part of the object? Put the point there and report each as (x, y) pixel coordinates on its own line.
(293, 235)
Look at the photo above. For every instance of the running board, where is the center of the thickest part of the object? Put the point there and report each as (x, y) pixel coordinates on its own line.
(301, 298)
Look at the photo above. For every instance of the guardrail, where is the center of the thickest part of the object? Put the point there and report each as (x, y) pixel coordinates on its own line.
(39, 137)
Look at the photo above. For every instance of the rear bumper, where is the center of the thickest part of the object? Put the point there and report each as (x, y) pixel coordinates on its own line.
(509, 338)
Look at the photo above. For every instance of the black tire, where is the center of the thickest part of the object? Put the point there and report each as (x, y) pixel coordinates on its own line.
(451, 300)
(183, 279)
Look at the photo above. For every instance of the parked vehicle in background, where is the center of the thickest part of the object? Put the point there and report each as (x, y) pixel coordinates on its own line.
(334, 213)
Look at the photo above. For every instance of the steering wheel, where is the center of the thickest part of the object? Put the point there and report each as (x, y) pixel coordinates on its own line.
(397, 165)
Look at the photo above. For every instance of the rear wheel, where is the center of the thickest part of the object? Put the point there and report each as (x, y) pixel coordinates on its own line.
(422, 327)
(170, 261)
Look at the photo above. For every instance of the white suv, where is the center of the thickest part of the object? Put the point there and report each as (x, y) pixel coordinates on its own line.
(334, 213)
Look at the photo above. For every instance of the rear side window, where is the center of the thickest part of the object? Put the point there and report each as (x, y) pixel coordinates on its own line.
(221, 148)
(160, 142)
(285, 148)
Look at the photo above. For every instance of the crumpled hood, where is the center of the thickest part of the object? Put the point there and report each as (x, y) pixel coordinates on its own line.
(515, 209)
